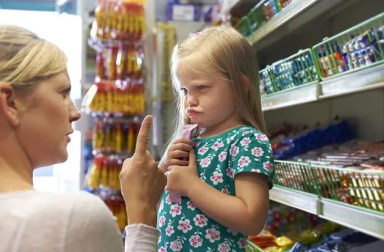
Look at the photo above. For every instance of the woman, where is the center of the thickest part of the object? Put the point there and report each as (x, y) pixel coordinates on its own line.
(36, 113)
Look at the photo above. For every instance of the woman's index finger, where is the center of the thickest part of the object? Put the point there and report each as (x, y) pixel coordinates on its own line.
(143, 135)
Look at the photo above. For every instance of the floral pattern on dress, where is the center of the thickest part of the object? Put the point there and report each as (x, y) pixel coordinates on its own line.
(183, 226)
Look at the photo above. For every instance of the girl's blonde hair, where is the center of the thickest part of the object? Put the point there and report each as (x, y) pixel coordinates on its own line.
(225, 51)
(25, 59)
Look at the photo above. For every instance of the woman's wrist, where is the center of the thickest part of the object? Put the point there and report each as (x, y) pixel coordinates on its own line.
(142, 213)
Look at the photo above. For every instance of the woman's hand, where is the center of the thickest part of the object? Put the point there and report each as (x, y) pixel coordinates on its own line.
(142, 183)
(177, 154)
(180, 178)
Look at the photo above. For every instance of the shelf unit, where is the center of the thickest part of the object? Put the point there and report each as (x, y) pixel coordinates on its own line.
(295, 17)
(357, 218)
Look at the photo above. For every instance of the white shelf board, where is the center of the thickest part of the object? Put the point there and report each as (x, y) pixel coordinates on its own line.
(364, 220)
(361, 80)
(299, 95)
(361, 219)
(300, 200)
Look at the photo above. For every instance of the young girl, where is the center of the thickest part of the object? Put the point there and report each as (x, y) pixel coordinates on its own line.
(225, 183)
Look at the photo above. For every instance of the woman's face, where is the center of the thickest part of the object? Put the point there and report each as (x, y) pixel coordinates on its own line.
(45, 121)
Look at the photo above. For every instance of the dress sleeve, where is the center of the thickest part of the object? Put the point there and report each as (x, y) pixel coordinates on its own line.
(140, 237)
(253, 153)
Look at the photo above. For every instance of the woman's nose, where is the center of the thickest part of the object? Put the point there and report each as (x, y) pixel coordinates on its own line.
(74, 113)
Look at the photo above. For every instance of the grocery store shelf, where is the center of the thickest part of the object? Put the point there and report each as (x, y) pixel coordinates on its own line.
(364, 220)
(300, 11)
(300, 200)
(362, 80)
(290, 97)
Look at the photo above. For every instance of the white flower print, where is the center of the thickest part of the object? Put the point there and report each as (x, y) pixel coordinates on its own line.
(212, 234)
(190, 205)
(230, 172)
(205, 162)
(162, 249)
(200, 220)
(224, 247)
(217, 145)
(256, 170)
(234, 150)
(244, 161)
(242, 242)
(168, 200)
(175, 210)
(184, 225)
(202, 150)
(217, 177)
(195, 241)
(261, 137)
(169, 231)
(257, 152)
(176, 246)
(230, 139)
(246, 132)
(161, 221)
(222, 156)
(268, 166)
(245, 142)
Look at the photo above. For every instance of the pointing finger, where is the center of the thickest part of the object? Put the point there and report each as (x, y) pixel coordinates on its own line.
(143, 136)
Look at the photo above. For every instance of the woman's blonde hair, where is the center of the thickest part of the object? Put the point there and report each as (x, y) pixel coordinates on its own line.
(25, 59)
(225, 51)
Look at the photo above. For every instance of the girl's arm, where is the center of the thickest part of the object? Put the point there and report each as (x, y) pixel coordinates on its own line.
(246, 212)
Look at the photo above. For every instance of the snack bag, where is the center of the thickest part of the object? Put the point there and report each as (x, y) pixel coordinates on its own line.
(188, 132)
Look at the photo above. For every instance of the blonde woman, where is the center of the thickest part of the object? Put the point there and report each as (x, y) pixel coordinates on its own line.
(225, 183)
(36, 113)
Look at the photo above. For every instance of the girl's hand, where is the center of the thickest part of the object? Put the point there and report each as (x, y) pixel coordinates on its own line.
(177, 154)
(180, 178)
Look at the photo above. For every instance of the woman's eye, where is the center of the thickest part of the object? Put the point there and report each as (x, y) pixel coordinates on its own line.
(65, 93)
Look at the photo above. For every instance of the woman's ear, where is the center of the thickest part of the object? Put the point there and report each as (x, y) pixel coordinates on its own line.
(7, 103)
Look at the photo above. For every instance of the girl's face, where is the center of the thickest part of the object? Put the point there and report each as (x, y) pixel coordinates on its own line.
(45, 121)
(209, 101)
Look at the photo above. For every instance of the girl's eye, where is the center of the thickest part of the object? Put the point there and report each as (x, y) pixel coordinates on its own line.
(202, 87)
(184, 91)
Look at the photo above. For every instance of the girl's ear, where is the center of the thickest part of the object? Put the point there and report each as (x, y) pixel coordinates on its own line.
(7, 103)
(246, 83)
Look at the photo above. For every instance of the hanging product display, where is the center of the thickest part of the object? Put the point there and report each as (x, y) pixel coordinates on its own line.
(116, 100)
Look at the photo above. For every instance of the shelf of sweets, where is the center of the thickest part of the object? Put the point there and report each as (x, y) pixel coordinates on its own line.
(289, 229)
(349, 62)
(292, 16)
(118, 21)
(364, 80)
(326, 171)
(116, 100)
(364, 220)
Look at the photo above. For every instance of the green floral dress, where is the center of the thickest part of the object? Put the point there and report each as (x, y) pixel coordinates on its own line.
(184, 227)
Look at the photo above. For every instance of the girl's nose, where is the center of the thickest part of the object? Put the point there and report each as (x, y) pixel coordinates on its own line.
(191, 100)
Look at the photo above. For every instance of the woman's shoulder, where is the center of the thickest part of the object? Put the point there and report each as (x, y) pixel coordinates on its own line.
(48, 202)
